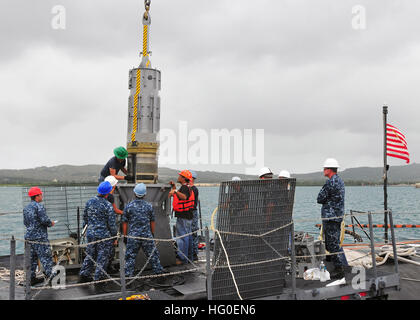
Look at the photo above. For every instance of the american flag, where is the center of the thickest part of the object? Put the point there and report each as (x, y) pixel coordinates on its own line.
(396, 145)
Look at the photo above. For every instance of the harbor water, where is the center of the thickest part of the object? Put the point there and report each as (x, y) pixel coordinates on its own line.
(404, 201)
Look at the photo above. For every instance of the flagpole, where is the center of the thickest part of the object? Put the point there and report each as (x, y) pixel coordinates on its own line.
(385, 112)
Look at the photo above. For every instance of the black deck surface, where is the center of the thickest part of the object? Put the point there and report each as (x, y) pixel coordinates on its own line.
(410, 290)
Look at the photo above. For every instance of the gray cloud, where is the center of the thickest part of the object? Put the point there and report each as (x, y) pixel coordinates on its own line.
(296, 68)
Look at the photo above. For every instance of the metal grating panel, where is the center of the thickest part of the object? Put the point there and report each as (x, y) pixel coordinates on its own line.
(252, 207)
(61, 204)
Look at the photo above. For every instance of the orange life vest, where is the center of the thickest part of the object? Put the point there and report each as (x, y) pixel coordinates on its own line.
(184, 205)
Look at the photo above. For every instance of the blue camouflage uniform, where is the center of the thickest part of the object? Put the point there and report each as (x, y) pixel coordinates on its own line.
(194, 225)
(36, 222)
(331, 197)
(138, 214)
(99, 216)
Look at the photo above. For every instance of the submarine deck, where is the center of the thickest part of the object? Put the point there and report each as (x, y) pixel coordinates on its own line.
(192, 285)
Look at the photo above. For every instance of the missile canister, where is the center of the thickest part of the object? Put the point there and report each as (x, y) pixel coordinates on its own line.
(144, 115)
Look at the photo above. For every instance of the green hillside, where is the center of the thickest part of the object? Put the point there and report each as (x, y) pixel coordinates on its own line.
(88, 174)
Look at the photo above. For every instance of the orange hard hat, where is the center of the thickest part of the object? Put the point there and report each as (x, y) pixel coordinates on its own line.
(34, 191)
(186, 174)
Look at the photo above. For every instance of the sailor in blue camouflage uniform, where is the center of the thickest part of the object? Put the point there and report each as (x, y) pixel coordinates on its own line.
(139, 217)
(36, 222)
(331, 197)
(195, 221)
(99, 217)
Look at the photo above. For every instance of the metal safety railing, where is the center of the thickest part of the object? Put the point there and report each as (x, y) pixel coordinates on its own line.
(211, 264)
(292, 257)
(123, 281)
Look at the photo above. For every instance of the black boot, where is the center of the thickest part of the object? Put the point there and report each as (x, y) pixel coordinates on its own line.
(35, 281)
(101, 287)
(84, 279)
(111, 269)
(161, 280)
(337, 273)
(132, 286)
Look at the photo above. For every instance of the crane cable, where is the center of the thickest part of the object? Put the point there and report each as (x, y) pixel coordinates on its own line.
(146, 17)
(138, 73)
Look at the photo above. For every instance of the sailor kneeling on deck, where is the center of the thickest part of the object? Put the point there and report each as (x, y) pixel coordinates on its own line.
(331, 197)
(115, 164)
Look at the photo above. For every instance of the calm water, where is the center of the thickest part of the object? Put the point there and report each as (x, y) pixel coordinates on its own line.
(404, 201)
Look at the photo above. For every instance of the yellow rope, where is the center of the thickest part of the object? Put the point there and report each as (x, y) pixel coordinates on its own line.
(342, 231)
(211, 220)
(145, 39)
(138, 85)
(136, 102)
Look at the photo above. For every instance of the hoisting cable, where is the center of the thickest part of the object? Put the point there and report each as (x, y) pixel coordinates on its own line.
(144, 53)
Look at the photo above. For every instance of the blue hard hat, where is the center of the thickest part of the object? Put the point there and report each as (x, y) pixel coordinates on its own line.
(193, 174)
(104, 188)
(140, 189)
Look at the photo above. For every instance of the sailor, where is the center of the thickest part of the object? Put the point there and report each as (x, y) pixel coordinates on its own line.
(183, 204)
(110, 197)
(284, 174)
(237, 198)
(99, 217)
(331, 197)
(194, 225)
(36, 222)
(139, 218)
(269, 207)
(237, 203)
(115, 164)
(284, 198)
(265, 173)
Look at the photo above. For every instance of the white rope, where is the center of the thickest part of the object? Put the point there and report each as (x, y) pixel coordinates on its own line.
(230, 269)
(409, 279)
(385, 250)
(402, 251)
(5, 275)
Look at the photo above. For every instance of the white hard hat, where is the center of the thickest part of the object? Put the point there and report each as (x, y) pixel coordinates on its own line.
(284, 174)
(331, 163)
(112, 180)
(264, 171)
(236, 179)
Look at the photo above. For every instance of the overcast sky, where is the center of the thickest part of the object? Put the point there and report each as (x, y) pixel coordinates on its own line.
(308, 72)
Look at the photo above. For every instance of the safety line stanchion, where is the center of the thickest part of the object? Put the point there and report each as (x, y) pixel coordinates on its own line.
(12, 268)
(208, 269)
(27, 270)
(122, 264)
(394, 245)
(372, 247)
(292, 238)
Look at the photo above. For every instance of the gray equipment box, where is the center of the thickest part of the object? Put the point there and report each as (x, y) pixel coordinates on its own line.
(157, 195)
